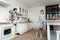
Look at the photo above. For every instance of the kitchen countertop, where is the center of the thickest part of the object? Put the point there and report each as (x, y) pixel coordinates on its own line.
(31, 22)
(12, 23)
(52, 21)
(3, 25)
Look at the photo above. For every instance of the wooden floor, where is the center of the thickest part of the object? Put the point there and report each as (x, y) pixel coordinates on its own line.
(30, 35)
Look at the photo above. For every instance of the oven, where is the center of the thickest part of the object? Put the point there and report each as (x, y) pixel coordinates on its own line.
(7, 32)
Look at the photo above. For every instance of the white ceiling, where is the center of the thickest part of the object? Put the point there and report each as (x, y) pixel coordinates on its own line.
(36, 3)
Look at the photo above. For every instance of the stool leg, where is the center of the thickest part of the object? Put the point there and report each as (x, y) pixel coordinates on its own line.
(36, 34)
(57, 36)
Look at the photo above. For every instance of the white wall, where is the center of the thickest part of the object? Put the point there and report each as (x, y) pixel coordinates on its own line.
(34, 14)
(4, 11)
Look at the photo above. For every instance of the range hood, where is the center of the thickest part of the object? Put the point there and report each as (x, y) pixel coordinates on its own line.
(4, 3)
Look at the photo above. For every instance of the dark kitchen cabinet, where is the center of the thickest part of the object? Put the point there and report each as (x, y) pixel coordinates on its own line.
(52, 10)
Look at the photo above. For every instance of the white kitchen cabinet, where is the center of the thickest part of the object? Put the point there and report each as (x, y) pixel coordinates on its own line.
(7, 31)
(22, 28)
(30, 26)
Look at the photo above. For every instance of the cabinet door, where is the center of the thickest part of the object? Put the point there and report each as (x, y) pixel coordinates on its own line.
(54, 9)
(22, 28)
(30, 26)
(48, 9)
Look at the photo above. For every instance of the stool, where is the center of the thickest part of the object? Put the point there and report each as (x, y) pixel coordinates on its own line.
(58, 33)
